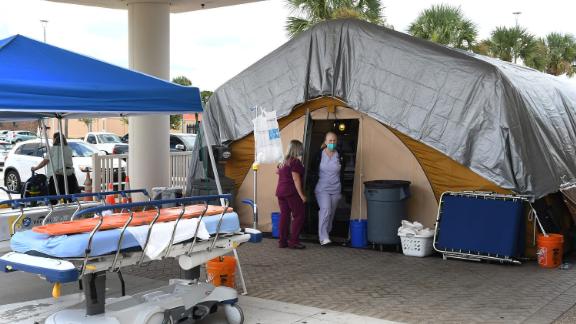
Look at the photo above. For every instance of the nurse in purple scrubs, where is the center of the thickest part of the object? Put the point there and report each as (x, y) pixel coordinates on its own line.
(291, 197)
(328, 189)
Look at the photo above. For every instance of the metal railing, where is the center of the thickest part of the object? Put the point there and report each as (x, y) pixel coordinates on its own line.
(114, 169)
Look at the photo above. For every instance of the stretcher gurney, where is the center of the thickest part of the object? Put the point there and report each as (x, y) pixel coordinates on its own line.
(183, 301)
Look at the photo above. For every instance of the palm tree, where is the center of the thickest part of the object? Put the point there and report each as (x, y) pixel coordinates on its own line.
(176, 120)
(511, 43)
(561, 54)
(311, 12)
(446, 25)
(537, 57)
(482, 47)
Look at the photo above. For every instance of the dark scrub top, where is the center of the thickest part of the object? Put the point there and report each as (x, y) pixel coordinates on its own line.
(286, 187)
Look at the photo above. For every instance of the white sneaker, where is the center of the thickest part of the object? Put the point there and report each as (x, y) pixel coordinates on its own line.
(325, 242)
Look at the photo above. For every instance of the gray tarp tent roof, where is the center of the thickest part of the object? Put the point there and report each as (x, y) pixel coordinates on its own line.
(510, 124)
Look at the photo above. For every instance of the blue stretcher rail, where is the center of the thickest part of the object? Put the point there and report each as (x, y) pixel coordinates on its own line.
(157, 204)
(15, 203)
(154, 203)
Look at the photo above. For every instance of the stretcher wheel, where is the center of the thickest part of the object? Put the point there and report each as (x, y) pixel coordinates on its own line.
(234, 314)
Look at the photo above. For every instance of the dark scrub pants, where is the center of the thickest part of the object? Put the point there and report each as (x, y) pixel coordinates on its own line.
(292, 210)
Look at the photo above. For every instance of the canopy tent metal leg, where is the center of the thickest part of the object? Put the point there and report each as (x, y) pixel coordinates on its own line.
(213, 162)
(62, 156)
(50, 164)
(242, 281)
(219, 187)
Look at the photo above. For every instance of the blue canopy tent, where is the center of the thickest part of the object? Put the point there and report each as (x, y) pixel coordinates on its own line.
(38, 80)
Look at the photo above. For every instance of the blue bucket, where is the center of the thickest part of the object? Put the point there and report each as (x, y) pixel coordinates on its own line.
(275, 222)
(358, 229)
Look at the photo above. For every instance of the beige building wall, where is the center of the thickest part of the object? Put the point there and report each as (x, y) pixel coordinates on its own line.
(381, 155)
(78, 129)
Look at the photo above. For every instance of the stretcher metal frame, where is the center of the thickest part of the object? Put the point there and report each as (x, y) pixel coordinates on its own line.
(471, 255)
(190, 253)
(23, 203)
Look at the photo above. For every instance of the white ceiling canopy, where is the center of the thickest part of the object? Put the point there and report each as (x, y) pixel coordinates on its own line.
(176, 6)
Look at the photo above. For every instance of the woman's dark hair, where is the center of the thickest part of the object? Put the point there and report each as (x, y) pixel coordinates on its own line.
(56, 139)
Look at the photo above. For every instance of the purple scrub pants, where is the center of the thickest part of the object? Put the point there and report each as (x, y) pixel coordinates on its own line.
(328, 204)
(292, 213)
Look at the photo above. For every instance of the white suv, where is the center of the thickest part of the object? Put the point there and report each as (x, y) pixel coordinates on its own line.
(27, 154)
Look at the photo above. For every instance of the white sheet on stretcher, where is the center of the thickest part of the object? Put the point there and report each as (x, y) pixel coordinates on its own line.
(162, 232)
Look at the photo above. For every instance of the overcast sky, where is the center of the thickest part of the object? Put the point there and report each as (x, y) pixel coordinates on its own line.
(211, 46)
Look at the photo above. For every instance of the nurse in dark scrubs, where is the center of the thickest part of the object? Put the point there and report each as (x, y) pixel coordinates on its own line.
(291, 198)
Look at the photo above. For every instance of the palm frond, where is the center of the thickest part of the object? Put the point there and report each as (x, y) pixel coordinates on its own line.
(561, 52)
(306, 13)
(296, 25)
(446, 25)
(482, 47)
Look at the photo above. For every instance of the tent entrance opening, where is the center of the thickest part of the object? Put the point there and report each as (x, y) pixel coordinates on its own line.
(347, 133)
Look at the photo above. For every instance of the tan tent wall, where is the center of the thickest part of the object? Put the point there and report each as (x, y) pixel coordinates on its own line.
(444, 173)
(383, 154)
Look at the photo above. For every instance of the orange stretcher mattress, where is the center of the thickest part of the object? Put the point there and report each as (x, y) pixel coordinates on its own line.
(117, 220)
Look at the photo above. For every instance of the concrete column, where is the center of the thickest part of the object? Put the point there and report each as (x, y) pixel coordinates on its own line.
(149, 50)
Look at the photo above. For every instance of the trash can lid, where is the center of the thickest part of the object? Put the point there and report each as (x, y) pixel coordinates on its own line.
(384, 184)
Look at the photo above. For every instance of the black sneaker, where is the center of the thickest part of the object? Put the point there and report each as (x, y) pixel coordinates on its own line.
(297, 247)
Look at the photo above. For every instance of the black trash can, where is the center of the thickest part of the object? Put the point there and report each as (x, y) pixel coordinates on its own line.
(163, 193)
(204, 187)
(386, 204)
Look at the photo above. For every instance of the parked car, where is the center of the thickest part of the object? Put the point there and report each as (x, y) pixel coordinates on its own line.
(107, 142)
(19, 136)
(120, 149)
(178, 142)
(182, 142)
(27, 154)
(3, 134)
(5, 147)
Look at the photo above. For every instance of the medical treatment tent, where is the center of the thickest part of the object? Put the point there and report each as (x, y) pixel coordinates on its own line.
(441, 118)
(38, 81)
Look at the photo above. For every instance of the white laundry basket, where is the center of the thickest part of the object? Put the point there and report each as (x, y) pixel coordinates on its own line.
(416, 245)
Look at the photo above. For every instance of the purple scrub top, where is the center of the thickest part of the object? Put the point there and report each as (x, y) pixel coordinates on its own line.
(286, 186)
(329, 180)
